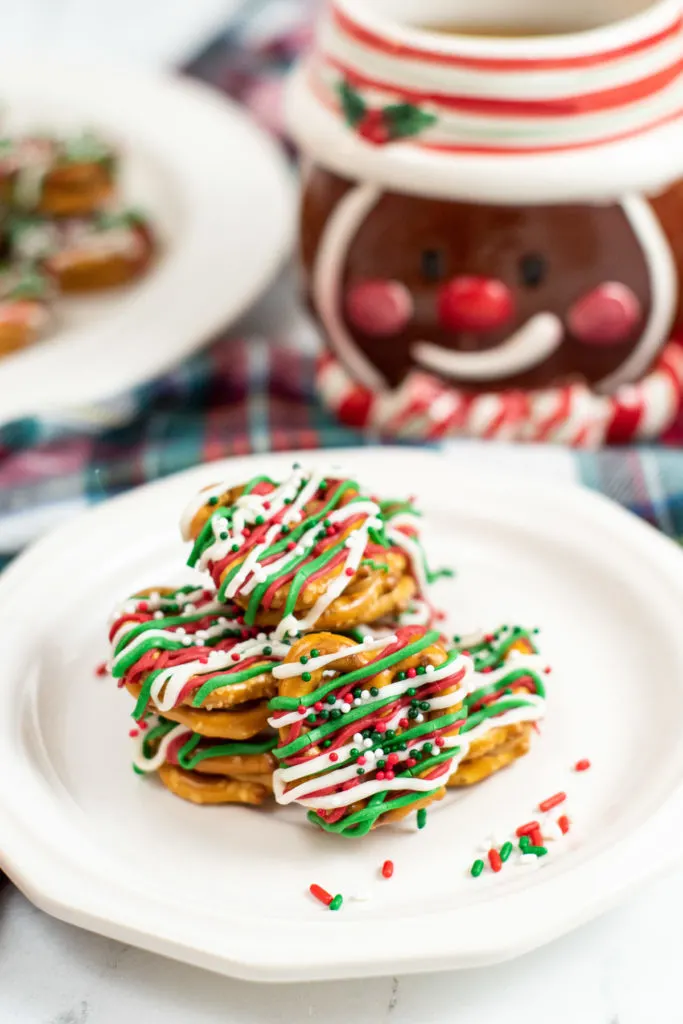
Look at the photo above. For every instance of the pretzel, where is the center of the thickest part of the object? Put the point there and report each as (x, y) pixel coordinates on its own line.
(308, 553)
(104, 251)
(25, 308)
(476, 769)
(237, 772)
(190, 657)
(387, 754)
(219, 790)
(61, 178)
(507, 698)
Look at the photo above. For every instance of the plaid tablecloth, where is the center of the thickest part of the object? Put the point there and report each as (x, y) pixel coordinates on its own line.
(247, 393)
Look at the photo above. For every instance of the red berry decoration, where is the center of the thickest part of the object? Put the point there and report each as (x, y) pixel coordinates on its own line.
(374, 128)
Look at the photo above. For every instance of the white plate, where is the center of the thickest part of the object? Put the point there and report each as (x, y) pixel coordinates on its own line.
(220, 193)
(226, 888)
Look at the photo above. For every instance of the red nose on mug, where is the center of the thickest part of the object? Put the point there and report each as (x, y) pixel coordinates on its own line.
(379, 308)
(475, 304)
(605, 316)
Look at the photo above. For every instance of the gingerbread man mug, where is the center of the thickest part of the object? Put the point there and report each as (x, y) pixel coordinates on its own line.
(492, 215)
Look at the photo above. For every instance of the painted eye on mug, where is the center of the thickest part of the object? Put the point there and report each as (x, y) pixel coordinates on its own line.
(532, 269)
(433, 264)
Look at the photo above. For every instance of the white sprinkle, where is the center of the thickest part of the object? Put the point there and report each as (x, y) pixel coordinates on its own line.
(200, 643)
(222, 621)
(379, 752)
(356, 700)
(358, 737)
(187, 640)
(365, 695)
(180, 631)
(329, 673)
(261, 636)
(370, 755)
(201, 634)
(130, 608)
(190, 607)
(367, 742)
(344, 707)
(292, 631)
(299, 550)
(429, 669)
(158, 615)
(529, 860)
(420, 718)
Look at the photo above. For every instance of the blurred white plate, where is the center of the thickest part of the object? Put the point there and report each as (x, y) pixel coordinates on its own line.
(226, 888)
(220, 193)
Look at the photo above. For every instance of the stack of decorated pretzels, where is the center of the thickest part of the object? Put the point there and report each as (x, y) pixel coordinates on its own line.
(306, 666)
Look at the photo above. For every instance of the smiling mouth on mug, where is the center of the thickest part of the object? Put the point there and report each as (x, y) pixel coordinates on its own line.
(529, 346)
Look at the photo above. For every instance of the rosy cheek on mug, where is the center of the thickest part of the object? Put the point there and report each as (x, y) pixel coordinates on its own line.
(379, 308)
(605, 316)
(475, 304)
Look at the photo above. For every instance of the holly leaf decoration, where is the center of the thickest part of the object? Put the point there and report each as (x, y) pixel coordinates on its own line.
(353, 104)
(405, 119)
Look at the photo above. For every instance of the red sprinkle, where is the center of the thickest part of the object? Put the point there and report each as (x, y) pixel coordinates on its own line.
(392, 759)
(235, 656)
(389, 775)
(563, 822)
(494, 860)
(552, 801)
(318, 706)
(410, 762)
(133, 733)
(302, 709)
(412, 673)
(404, 723)
(360, 760)
(537, 837)
(379, 776)
(101, 669)
(350, 572)
(582, 765)
(290, 545)
(380, 727)
(143, 607)
(320, 894)
(388, 868)
(526, 830)
(266, 504)
(142, 725)
(334, 757)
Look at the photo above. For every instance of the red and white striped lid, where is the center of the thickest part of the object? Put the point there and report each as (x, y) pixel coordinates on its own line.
(581, 115)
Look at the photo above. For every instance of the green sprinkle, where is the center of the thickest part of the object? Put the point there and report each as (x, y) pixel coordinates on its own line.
(213, 501)
(357, 692)
(335, 713)
(505, 851)
(138, 771)
(324, 715)
(413, 713)
(354, 752)
(374, 691)
(306, 676)
(411, 691)
(312, 719)
(259, 520)
(540, 851)
(524, 843)
(422, 817)
(315, 653)
(456, 639)
(223, 535)
(235, 547)
(331, 699)
(267, 650)
(360, 771)
(326, 743)
(400, 676)
(326, 523)
(425, 706)
(303, 659)
(427, 747)
(421, 670)
(390, 734)
(336, 902)
(381, 764)
(477, 868)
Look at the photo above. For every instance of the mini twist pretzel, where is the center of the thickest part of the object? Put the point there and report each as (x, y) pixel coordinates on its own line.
(369, 731)
(203, 771)
(183, 653)
(308, 552)
(508, 697)
(60, 178)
